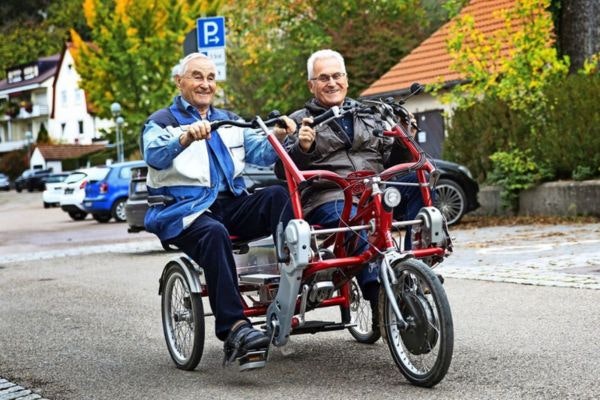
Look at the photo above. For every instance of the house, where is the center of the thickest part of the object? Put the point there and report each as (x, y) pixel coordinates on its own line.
(430, 63)
(52, 156)
(45, 94)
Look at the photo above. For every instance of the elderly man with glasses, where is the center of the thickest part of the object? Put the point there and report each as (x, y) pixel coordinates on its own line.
(344, 145)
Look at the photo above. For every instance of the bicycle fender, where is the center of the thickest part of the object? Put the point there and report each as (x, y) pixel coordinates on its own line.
(191, 270)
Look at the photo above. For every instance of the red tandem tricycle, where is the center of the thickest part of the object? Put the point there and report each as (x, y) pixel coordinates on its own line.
(312, 268)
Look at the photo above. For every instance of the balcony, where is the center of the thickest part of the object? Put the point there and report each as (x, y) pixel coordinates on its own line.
(37, 110)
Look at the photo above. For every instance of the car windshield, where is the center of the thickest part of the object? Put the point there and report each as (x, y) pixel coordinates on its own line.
(93, 174)
(56, 178)
(75, 177)
(99, 173)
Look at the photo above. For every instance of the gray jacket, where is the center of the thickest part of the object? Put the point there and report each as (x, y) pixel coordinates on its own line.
(333, 151)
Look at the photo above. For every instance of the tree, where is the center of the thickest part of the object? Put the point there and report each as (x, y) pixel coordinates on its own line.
(31, 29)
(135, 45)
(269, 42)
(513, 64)
(42, 136)
(578, 27)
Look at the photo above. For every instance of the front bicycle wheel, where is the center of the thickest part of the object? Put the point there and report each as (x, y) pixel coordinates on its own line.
(182, 318)
(423, 350)
(361, 315)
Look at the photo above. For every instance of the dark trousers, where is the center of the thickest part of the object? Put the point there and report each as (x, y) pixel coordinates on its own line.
(207, 242)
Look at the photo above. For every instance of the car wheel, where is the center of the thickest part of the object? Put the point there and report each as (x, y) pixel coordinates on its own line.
(102, 217)
(46, 205)
(450, 200)
(77, 215)
(118, 210)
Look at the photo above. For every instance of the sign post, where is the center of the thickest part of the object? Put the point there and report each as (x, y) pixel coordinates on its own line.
(211, 41)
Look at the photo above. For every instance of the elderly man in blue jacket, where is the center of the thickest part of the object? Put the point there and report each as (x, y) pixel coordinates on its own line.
(201, 171)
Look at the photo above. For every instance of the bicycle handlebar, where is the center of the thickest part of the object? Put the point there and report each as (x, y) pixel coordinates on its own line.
(253, 124)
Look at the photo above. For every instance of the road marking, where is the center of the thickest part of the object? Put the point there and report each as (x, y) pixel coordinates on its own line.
(12, 391)
(532, 248)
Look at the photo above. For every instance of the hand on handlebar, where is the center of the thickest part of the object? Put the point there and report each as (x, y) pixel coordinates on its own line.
(285, 127)
(306, 134)
(199, 130)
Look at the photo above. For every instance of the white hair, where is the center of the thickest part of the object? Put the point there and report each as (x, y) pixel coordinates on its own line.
(180, 68)
(320, 55)
(174, 71)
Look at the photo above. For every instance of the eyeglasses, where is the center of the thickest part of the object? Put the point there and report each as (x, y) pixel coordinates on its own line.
(326, 77)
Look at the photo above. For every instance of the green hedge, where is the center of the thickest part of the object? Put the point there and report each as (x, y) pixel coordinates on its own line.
(565, 134)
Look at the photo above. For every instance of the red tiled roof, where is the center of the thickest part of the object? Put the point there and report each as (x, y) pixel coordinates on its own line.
(66, 151)
(430, 62)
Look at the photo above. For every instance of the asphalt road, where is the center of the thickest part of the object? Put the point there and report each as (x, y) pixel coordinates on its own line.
(82, 320)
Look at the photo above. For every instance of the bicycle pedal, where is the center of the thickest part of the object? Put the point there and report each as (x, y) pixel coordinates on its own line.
(254, 359)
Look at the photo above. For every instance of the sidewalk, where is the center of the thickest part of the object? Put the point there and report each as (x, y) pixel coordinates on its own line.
(549, 255)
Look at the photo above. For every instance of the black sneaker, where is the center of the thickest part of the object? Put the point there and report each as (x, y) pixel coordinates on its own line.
(245, 338)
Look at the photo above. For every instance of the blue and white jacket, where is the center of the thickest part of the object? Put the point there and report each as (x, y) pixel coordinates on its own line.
(194, 175)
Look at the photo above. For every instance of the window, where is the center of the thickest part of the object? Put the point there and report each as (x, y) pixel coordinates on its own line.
(30, 72)
(80, 127)
(15, 75)
(64, 98)
(78, 96)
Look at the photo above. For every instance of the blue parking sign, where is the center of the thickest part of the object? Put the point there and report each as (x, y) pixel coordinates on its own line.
(211, 32)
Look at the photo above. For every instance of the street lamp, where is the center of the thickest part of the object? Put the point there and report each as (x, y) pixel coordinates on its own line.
(29, 139)
(115, 109)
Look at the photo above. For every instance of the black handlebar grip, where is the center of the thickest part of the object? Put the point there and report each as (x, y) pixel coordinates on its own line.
(322, 117)
(274, 114)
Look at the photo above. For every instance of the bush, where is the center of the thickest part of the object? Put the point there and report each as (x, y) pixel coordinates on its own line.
(515, 171)
(481, 130)
(570, 131)
(565, 134)
(14, 163)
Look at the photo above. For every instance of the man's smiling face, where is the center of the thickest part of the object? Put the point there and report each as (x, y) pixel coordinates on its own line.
(330, 92)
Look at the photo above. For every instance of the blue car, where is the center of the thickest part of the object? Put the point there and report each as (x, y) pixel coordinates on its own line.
(106, 198)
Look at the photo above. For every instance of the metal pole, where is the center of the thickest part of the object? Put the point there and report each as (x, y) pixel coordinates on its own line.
(120, 145)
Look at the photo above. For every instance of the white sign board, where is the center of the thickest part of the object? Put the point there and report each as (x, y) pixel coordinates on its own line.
(211, 41)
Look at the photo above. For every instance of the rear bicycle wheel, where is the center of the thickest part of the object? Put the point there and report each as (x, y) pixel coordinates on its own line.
(361, 315)
(182, 318)
(423, 350)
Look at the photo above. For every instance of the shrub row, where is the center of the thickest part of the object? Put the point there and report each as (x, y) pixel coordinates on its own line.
(563, 133)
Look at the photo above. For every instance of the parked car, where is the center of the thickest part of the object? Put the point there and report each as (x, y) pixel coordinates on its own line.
(71, 200)
(255, 178)
(105, 198)
(4, 182)
(54, 188)
(32, 179)
(456, 191)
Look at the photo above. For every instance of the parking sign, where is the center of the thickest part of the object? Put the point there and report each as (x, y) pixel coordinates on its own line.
(211, 41)
(211, 32)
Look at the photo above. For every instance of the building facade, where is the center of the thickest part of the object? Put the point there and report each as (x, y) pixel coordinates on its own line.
(45, 95)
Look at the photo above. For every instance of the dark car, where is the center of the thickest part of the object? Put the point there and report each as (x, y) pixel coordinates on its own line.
(32, 179)
(456, 191)
(4, 182)
(106, 198)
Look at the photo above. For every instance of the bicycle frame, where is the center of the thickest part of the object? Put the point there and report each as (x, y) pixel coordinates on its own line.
(370, 207)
